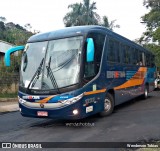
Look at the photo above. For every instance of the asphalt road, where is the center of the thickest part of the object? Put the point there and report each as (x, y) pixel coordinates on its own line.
(134, 121)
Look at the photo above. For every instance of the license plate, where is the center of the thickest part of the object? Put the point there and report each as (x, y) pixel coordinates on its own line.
(42, 113)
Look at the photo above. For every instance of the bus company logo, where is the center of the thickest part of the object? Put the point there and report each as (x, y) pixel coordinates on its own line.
(42, 105)
(116, 74)
(31, 97)
(6, 145)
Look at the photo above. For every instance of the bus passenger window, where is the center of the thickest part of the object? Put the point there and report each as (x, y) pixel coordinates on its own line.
(141, 59)
(117, 50)
(128, 60)
(134, 56)
(111, 51)
(140, 62)
(147, 60)
(137, 57)
(152, 61)
(125, 54)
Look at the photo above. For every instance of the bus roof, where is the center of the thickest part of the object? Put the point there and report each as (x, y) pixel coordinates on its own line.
(66, 32)
(80, 30)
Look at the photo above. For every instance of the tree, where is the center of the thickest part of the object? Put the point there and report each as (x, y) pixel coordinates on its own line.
(81, 14)
(3, 19)
(15, 34)
(89, 14)
(28, 26)
(74, 17)
(152, 20)
(2, 29)
(85, 14)
(111, 25)
(151, 37)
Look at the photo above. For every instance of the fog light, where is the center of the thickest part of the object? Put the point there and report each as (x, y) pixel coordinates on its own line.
(20, 109)
(75, 112)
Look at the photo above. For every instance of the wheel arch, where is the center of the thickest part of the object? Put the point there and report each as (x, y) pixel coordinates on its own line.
(112, 92)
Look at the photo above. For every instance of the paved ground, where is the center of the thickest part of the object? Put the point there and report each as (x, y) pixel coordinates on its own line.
(138, 120)
(8, 105)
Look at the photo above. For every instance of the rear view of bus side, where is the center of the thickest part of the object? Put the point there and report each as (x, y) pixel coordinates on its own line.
(80, 71)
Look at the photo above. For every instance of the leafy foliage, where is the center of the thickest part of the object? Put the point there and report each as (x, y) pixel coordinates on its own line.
(9, 76)
(82, 14)
(152, 20)
(17, 35)
(156, 50)
(151, 37)
(85, 14)
(14, 33)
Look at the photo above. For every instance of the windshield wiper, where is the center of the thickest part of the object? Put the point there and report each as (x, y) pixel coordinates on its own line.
(62, 65)
(50, 74)
(36, 75)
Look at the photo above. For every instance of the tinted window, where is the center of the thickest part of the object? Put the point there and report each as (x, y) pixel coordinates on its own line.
(140, 58)
(117, 50)
(111, 52)
(132, 56)
(137, 56)
(147, 60)
(91, 69)
(98, 44)
(124, 53)
(127, 57)
(152, 61)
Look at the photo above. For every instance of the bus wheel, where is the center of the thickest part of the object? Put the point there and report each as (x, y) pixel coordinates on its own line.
(145, 95)
(108, 105)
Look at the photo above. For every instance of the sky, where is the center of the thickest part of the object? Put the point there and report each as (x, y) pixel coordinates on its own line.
(47, 15)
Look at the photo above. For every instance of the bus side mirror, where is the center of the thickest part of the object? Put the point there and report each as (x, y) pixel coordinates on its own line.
(7, 59)
(90, 50)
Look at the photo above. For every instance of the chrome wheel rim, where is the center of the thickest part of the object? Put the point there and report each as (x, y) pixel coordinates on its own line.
(107, 104)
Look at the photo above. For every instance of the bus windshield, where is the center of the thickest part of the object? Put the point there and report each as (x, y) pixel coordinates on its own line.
(51, 64)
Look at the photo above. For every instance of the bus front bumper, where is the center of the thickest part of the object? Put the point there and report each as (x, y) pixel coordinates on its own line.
(52, 110)
(73, 108)
(69, 112)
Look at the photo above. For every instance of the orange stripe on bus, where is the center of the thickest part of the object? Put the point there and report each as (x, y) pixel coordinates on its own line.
(136, 80)
(94, 92)
(45, 100)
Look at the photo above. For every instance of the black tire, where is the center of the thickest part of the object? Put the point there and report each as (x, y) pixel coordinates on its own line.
(108, 105)
(145, 95)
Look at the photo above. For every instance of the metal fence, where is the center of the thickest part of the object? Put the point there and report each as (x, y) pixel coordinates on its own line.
(8, 84)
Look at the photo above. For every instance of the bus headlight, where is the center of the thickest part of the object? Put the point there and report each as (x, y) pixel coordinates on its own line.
(21, 100)
(75, 111)
(72, 100)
